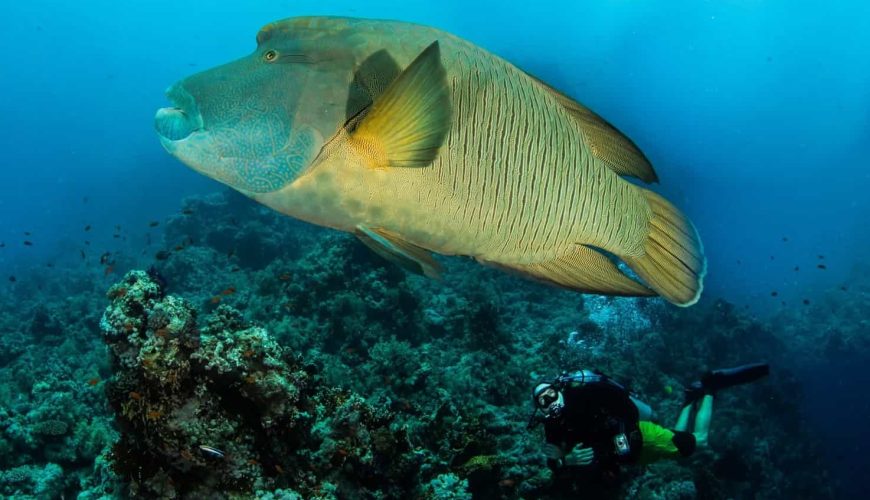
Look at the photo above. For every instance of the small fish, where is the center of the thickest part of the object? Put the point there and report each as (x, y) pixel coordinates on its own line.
(85, 199)
(229, 290)
(13, 279)
(216, 299)
(109, 270)
(94, 381)
(235, 269)
(49, 264)
(822, 266)
(28, 243)
(507, 483)
(88, 227)
(785, 238)
(153, 223)
(87, 242)
(772, 257)
(26, 233)
(279, 469)
(104, 259)
(231, 253)
(821, 257)
(82, 253)
(117, 228)
(162, 332)
(3, 244)
(135, 395)
(211, 452)
(285, 277)
(178, 248)
(187, 211)
(162, 255)
(774, 293)
(844, 288)
(797, 268)
(806, 302)
(116, 236)
(154, 414)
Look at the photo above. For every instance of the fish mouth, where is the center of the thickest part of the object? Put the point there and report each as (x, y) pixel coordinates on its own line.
(180, 121)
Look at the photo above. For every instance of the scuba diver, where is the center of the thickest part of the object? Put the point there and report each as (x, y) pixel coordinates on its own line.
(592, 420)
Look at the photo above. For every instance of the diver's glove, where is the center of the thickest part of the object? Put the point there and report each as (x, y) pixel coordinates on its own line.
(580, 456)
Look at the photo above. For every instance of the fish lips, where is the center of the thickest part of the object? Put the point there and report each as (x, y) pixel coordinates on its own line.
(174, 124)
(180, 121)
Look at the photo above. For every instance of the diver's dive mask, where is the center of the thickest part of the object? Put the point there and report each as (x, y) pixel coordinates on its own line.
(549, 400)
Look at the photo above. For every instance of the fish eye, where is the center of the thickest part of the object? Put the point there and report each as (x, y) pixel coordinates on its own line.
(270, 56)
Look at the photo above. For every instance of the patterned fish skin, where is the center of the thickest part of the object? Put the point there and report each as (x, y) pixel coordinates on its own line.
(522, 179)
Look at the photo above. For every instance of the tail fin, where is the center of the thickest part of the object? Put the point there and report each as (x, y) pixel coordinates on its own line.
(673, 263)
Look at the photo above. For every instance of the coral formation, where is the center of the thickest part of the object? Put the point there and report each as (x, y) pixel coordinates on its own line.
(261, 357)
(227, 409)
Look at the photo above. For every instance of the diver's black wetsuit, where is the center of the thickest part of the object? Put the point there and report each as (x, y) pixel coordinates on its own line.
(594, 413)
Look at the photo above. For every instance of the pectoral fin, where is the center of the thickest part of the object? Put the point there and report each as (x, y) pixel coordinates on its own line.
(407, 124)
(395, 249)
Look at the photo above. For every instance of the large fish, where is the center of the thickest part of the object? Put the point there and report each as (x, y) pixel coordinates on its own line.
(418, 141)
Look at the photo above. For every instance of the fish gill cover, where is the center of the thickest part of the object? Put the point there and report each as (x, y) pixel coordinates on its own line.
(163, 337)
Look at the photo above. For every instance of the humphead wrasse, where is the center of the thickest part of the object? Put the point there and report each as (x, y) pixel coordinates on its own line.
(417, 141)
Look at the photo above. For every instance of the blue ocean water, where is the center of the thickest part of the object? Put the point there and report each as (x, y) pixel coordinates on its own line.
(755, 114)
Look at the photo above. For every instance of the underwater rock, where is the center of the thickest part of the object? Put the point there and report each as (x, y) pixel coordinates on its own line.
(27, 480)
(227, 409)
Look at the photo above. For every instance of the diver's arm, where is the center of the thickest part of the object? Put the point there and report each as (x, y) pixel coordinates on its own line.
(578, 456)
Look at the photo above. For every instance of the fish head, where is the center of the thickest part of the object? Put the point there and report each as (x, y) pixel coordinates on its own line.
(257, 123)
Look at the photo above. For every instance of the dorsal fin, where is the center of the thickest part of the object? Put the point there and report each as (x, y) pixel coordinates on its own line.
(407, 124)
(604, 141)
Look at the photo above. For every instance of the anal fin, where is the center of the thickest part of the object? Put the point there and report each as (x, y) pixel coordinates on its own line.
(395, 249)
(584, 270)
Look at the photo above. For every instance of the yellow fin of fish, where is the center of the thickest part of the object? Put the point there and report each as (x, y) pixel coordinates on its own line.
(673, 263)
(407, 124)
(606, 142)
(395, 249)
(585, 270)
(370, 79)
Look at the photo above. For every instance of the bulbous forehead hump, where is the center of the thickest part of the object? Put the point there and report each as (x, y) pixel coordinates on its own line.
(303, 28)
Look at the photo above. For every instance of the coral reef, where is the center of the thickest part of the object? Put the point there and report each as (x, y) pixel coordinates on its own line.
(262, 357)
(227, 409)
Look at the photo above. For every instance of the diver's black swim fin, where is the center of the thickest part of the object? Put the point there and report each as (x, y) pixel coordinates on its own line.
(716, 380)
